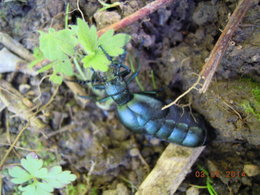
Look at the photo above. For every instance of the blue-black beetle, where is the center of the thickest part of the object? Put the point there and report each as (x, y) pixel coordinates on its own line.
(141, 112)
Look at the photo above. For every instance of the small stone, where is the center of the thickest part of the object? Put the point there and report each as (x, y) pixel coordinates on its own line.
(246, 181)
(121, 189)
(109, 192)
(204, 13)
(24, 88)
(106, 18)
(192, 191)
(256, 58)
(155, 141)
(251, 170)
(134, 152)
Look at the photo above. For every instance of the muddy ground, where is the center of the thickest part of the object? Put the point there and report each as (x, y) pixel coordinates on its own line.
(176, 40)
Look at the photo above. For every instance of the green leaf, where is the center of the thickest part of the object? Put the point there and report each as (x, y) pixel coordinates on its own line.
(32, 165)
(58, 178)
(107, 35)
(19, 174)
(56, 78)
(97, 61)
(45, 187)
(43, 181)
(113, 45)
(45, 68)
(41, 173)
(28, 190)
(87, 36)
(64, 66)
(38, 55)
(57, 45)
(74, 29)
(36, 188)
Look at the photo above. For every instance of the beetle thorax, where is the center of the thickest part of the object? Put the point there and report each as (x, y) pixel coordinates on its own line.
(117, 89)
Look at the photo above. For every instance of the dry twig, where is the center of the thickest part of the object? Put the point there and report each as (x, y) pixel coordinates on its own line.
(220, 47)
(141, 13)
(218, 51)
(15, 46)
(13, 145)
(170, 170)
(183, 94)
(17, 104)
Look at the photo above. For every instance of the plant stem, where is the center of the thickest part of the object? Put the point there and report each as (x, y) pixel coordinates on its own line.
(136, 78)
(153, 80)
(67, 15)
(79, 69)
(141, 13)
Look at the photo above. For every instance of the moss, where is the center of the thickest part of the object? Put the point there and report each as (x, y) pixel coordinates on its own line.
(252, 104)
(75, 190)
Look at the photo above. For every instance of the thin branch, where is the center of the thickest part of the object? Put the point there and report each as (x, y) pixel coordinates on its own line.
(16, 103)
(82, 15)
(15, 46)
(220, 47)
(49, 102)
(141, 13)
(13, 145)
(183, 94)
(218, 51)
(18, 147)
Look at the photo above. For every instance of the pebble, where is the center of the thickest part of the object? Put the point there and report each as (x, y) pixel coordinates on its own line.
(106, 18)
(24, 88)
(192, 191)
(251, 170)
(134, 152)
(246, 181)
(121, 189)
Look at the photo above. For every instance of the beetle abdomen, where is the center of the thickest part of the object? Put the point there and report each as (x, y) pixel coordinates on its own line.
(141, 111)
(181, 133)
(143, 114)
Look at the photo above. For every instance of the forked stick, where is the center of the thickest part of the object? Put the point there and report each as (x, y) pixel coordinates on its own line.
(218, 51)
(220, 47)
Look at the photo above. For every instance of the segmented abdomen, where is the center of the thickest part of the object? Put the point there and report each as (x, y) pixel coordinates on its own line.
(143, 114)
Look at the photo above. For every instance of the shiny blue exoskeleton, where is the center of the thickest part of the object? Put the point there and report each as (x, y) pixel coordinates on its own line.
(141, 112)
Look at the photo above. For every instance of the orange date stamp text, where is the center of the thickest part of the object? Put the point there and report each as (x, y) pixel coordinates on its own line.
(217, 174)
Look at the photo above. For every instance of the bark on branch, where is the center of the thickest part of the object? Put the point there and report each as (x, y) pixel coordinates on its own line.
(220, 47)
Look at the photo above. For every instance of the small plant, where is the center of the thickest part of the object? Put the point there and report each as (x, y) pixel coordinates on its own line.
(38, 180)
(79, 46)
(209, 182)
(253, 107)
(107, 5)
(252, 104)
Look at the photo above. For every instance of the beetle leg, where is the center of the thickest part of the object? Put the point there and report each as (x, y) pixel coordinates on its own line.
(99, 87)
(93, 98)
(107, 55)
(79, 81)
(131, 78)
(153, 91)
(122, 58)
(103, 99)
(124, 73)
